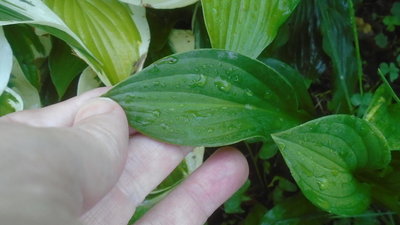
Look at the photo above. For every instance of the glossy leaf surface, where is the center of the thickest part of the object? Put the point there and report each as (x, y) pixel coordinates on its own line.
(326, 155)
(385, 115)
(245, 26)
(208, 98)
(161, 4)
(108, 31)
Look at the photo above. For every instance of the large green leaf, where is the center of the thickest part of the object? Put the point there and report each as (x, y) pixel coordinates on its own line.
(104, 35)
(338, 43)
(161, 4)
(108, 31)
(27, 48)
(326, 157)
(6, 61)
(64, 66)
(385, 115)
(245, 26)
(208, 98)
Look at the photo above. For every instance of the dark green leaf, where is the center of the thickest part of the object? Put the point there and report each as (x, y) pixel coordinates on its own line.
(64, 66)
(254, 217)
(300, 47)
(27, 48)
(385, 116)
(381, 40)
(294, 211)
(326, 155)
(245, 26)
(10, 102)
(201, 39)
(338, 40)
(232, 205)
(208, 98)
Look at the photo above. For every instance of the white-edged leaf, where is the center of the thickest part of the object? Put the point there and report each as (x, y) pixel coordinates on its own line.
(161, 4)
(138, 14)
(19, 83)
(108, 31)
(88, 81)
(6, 58)
(181, 40)
(10, 102)
(245, 26)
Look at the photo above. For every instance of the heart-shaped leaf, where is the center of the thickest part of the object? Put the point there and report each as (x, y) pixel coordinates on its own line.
(161, 4)
(208, 98)
(326, 157)
(245, 26)
(385, 115)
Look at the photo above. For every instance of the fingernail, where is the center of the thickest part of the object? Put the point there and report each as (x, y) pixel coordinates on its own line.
(95, 107)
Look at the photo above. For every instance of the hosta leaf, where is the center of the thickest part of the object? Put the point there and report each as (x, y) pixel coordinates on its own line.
(108, 31)
(245, 26)
(64, 66)
(208, 98)
(6, 61)
(325, 157)
(338, 43)
(27, 48)
(161, 4)
(10, 102)
(181, 40)
(385, 115)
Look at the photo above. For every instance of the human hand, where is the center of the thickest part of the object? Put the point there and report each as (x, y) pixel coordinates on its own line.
(62, 165)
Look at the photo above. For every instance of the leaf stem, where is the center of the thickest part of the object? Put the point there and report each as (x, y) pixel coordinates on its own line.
(254, 160)
(357, 46)
(395, 97)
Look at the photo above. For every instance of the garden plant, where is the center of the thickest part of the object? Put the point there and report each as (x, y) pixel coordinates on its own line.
(294, 84)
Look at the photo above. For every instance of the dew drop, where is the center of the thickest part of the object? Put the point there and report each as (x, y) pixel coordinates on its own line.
(249, 92)
(249, 107)
(200, 81)
(156, 113)
(169, 60)
(323, 184)
(223, 85)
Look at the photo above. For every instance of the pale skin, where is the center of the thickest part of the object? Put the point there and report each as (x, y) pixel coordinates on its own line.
(77, 162)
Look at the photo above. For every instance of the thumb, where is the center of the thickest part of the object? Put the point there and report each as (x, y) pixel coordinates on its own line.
(103, 127)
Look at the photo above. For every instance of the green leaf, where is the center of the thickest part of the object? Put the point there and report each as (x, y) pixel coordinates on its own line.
(255, 215)
(385, 116)
(201, 39)
(325, 157)
(297, 80)
(208, 98)
(294, 211)
(64, 66)
(232, 205)
(300, 47)
(390, 70)
(6, 61)
(245, 26)
(381, 40)
(338, 43)
(108, 31)
(27, 48)
(161, 4)
(10, 102)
